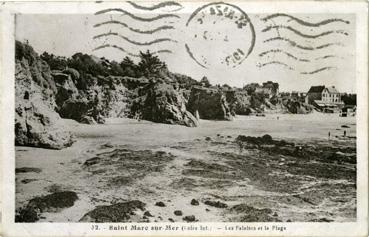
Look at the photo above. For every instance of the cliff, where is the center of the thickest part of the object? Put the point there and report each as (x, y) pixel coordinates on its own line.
(36, 122)
(88, 89)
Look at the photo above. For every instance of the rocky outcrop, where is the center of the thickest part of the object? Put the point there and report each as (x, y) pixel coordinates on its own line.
(115, 97)
(102, 97)
(36, 122)
(163, 104)
(242, 103)
(239, 102)
(209, 103)
(119, 212)
(54, 202)
(295, 107)
(66, 89)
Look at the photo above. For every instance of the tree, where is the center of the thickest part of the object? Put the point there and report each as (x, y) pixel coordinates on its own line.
(150, 65)
(115, 69)
(127, 62)
(85, 64)
(205, 82)
(55, 62)
(129, 67)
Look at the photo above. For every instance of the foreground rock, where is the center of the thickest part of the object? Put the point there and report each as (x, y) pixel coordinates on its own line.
(216, 204)
(325, 153)
(27, 170)
(136, 163)
(50, 203)
(36, 122)
(209, 103)
(191, 218)
(119, 212)
(162, 103)
(251, 214)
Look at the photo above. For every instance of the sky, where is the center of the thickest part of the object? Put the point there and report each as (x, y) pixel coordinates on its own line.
(222, 42)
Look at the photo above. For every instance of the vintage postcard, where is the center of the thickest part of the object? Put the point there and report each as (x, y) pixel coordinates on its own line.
(184, 118)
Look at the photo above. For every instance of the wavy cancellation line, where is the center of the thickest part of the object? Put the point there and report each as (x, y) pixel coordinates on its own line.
(293, 43)
(319, 70)
(277, 27)
(290, 55)
(128, 53)
(158, 17)
(157, 6)
(155, 41)
(277, 63)
(160, 28)
(291, 68)
(328, 56)
(306, 23)
(262, 54)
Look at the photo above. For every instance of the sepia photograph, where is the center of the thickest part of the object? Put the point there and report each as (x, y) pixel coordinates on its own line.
(187, 112)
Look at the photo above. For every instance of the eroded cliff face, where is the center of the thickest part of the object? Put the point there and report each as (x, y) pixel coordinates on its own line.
(241, 103)
(163, 103)
(92, 104)
(36, 122)
(209, 103)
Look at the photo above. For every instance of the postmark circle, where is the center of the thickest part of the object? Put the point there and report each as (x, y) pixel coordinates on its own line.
(219, 34)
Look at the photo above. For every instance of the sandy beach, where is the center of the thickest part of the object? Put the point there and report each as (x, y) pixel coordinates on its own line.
(127, 160)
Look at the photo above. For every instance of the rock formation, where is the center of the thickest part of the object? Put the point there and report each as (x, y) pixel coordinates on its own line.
(239, 102)
(36, 123)
(243, 103)
(210, 104)
(101, 97)
(163, 104)
(295, 107)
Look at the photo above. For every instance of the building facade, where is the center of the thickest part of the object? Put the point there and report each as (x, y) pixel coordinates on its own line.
(326, 99)
(331, 95)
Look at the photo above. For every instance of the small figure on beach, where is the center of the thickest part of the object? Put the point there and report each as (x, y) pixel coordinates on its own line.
(344, 133)
(240, 146)
(137, 116)
(329, 135)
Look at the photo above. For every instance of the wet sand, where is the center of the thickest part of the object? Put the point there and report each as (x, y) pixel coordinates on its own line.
(127, 160)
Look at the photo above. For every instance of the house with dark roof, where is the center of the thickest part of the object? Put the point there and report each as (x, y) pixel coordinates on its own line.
(314, 93)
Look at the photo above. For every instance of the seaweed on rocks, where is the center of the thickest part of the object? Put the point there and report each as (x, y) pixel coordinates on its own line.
(119, 212)
(49, 203)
